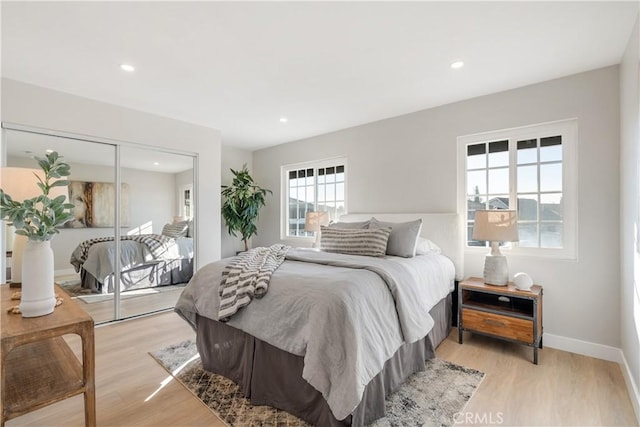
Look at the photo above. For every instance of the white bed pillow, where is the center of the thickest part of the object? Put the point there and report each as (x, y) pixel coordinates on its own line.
(404, 236)
(426, 246)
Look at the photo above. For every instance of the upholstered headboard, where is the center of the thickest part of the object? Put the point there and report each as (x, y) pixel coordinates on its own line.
(441, 228)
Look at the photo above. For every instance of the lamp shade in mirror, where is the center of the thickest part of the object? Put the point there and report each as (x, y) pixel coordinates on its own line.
(21, 184)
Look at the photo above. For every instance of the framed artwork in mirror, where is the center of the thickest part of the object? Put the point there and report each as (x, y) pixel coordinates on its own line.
(93, 204)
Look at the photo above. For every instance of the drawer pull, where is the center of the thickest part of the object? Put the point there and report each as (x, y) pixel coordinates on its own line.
(494, 322)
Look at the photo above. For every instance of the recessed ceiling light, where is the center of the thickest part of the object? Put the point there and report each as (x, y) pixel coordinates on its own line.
(283, 120)
(457, 64)
(127, 67)
(156, 164)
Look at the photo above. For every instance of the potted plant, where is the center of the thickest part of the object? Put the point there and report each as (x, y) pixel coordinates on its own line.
(243, 200)
(38, 220)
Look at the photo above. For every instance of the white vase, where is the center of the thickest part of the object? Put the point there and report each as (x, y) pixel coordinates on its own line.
(38, 296)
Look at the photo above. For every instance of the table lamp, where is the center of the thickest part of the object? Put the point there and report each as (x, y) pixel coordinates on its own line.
(496, 226)
(313, 221)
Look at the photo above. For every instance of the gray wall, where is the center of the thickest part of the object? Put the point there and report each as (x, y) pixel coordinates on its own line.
(232, 158)
(30, 105)
(408, 164)
(630, 208)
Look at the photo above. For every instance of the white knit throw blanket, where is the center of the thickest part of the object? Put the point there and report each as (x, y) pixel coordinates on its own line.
(247, 276)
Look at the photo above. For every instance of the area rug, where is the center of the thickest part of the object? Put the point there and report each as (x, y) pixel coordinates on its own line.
(429, 398)
(71, 285)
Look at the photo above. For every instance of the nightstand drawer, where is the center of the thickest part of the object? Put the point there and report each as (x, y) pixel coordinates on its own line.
(495, 324)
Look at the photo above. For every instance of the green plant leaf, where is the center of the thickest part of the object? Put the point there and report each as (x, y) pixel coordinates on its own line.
(59, 200)
(39, 218)
(242, 202)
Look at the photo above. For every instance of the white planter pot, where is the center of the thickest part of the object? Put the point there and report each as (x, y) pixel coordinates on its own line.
(38, 296)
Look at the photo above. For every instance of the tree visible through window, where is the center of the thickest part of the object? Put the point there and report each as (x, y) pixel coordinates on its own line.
(522, 169)
(314, 187)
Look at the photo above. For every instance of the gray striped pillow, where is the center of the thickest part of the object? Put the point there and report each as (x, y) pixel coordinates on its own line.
(355, 241)
(175, 230)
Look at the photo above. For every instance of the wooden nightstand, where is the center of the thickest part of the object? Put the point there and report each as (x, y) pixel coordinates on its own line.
(502, 312)
(38, 367)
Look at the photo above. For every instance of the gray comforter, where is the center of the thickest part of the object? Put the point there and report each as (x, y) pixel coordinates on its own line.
(345, 314)
(100, 261)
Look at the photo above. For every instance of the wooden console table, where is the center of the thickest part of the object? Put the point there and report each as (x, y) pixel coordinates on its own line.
(38, 367)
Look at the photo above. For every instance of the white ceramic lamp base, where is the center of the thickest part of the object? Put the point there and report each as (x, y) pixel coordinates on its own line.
(496, 271)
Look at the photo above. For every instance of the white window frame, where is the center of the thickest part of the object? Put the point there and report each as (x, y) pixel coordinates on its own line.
(284, 192)
(183, 189)
(569, 131)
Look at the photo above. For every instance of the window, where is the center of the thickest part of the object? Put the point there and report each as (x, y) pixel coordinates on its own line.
(531, 170)
(315, 186)
(186, 201)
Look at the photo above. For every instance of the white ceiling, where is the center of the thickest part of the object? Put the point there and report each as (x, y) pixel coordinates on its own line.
(240, 66)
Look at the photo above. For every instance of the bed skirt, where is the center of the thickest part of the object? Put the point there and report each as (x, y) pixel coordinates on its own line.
(270, 376)
(157, 273)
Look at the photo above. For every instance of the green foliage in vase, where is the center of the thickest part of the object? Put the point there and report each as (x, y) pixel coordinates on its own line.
(40, 218)
(242, 202)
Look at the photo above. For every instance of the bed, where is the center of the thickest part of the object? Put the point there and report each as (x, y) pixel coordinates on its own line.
(335, 334)
(145, 261)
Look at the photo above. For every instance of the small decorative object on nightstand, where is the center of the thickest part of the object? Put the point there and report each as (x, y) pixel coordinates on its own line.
(503, 312)
(522, 281)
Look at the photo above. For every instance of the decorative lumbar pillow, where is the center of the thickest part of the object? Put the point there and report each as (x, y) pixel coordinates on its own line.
(175, 230)
(359, 225)
(404, 236)
(355, 241)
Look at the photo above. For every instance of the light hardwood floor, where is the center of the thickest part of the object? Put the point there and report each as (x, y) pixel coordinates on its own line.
(564, 389)
(133, 390)
(102, 311)
(101, 307)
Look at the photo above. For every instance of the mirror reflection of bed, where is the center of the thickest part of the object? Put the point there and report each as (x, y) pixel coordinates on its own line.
(157, 205)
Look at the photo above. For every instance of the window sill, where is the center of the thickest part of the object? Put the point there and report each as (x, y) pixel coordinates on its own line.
(556, 254)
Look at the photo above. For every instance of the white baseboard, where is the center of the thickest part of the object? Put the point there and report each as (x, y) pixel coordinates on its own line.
(572, 345)
(599, 351)
(64, 272)
(632, 387)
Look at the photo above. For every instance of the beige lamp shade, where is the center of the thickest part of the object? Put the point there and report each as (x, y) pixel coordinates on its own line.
(313, 220)
(21, 184)
(496, 226)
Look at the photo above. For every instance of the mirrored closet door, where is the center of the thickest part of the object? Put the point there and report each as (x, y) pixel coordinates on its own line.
(140, 268)
(160, 208)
